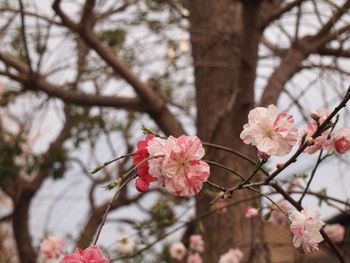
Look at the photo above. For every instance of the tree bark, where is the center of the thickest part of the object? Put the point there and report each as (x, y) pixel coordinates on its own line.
(23, 238)
(225, 37)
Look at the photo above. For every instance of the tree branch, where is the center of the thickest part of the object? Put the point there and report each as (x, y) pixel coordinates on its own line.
(157, 106)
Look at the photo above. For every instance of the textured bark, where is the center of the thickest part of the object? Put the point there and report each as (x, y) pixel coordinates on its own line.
(225, 39)
(21, 229)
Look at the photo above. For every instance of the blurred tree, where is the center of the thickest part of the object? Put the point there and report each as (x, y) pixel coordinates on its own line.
(99, 68)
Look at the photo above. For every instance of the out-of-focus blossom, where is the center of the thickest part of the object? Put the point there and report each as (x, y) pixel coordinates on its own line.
(306, 227)
(52, 246)
(180, 171)
(177, 251)
(144, 179)
(336, 232)
(170, 53)
(194, 258)
(342, 140)
(2, 88)
(221, 206)
(232, 256)
(184, 12)
(183, 43)
(251, 212)
(125, 245)
(89, 255)
(277, 217)
(271, 132)
(197, 243)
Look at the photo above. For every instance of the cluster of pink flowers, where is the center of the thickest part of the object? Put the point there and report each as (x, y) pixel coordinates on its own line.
(337, 140)
(89, 255)
(234, 255)
(306, 228)
(274, 133)
(179, 252)
(52, 246)
(174, 162)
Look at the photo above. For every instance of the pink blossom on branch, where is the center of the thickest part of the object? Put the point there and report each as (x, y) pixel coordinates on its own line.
(277, 217)
(52, 246)
(194, 258)
(342, 140)
(181, 170)
(306, 227)
(197, 243)
(144, 179)
(336, 232)
(89, 255)
(271, 132)
(251, 212)
(232, 256)
(177, 251)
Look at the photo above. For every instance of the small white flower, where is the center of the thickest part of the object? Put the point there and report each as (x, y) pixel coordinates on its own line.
(125, 245)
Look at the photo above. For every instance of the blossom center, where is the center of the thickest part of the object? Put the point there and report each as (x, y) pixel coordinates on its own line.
(269, 132)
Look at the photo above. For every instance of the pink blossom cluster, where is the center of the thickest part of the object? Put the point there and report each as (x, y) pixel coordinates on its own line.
(274, 133)
(306, 227)
(89, 255)
(179, 252)
(174, 162)
(335, 141)
(234, 255)
(52, 246)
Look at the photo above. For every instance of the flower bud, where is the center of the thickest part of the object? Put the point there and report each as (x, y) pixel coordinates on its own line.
(141, 185)
(279, 165)
(315, 115)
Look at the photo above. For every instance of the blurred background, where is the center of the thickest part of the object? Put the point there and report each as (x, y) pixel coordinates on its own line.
(79, 79)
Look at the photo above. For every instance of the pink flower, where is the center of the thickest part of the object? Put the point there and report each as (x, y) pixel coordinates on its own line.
(306, 229)
(177, 251)
(142, 183)
(251, 212)
(221, 206)
(194, 258)
(277, 217)
(336, 232)
(232, 256)
(52, 246)
(319, 142)
(89, 255)
(197, 243)
(270, 131)
(342, 140)
(180, 170)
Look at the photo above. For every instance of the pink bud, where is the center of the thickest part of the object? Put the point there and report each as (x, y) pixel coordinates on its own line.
(141, 185)
(315, 115)
(279, 165)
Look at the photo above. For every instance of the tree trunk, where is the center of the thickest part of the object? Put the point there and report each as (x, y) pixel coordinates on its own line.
(225, 38)
(21, 229)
